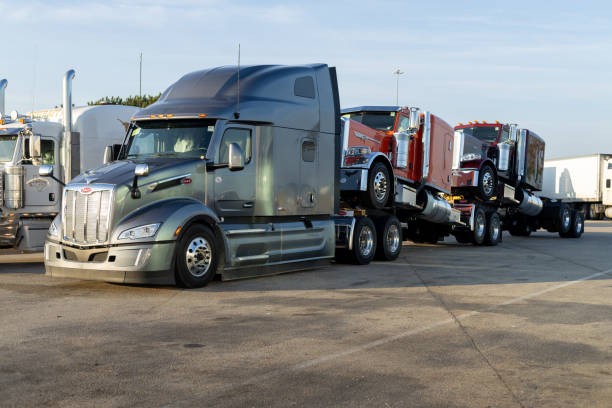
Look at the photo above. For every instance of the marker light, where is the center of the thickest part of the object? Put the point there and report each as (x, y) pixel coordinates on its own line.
(201, 115)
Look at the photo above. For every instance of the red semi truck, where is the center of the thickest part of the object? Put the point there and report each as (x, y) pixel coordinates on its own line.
(471, 182)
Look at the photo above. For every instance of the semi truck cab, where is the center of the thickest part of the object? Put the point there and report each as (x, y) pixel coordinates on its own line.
(232, 171)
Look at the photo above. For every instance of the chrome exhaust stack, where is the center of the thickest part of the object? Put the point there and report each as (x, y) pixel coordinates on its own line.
(67, 111)
(3, 84)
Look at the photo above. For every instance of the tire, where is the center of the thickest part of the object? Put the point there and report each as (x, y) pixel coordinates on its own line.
(379, 187)
(577, 226)
(487, 182)
(480, 227)
(196, 257)
(493, 231)
(364, 242)
(564, 222)
(463, 237)
(389, 238)
(520, 229)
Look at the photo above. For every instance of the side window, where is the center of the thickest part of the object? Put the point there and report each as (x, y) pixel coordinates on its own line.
(309, 151)
(240, 136)
(304, 87)
(607, 183)
(402, 125)
(609, 166)
(47, 148)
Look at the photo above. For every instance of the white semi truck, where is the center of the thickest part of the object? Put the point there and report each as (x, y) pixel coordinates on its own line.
(583, 181)
(71, 139)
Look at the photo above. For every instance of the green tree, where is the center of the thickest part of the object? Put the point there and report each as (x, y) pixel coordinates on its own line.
(136, 100)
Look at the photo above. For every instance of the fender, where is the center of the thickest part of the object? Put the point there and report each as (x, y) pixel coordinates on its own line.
(490, 162)
(172, 213)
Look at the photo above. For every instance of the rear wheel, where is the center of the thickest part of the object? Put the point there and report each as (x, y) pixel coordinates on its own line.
(564, 222)
(389, 237)
(364, 242)
(196, 257)
(480, 227)
(487, 182)
(493, 231)
(577, 226)
(379, 186)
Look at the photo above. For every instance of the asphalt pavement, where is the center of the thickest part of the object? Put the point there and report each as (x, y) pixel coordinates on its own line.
(525, 324)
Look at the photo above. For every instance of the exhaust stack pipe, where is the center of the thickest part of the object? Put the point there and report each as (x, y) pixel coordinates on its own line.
(67, 102)
(3, 84)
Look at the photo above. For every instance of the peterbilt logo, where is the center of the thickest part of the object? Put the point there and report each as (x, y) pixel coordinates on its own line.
(86, 190)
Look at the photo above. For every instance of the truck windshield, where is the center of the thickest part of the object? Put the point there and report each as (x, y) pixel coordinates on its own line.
(484, 133)
(7, 147)
(376, 120)
(187, 138)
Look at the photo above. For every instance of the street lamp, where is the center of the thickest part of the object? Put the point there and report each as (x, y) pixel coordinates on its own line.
(398, 73)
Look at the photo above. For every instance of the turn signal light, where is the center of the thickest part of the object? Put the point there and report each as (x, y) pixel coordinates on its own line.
(201, 115)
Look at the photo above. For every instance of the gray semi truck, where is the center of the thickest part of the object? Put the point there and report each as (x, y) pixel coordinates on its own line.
(232, 172)
(71, 139)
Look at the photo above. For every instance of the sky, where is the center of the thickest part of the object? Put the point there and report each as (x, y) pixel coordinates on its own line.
(545, 65)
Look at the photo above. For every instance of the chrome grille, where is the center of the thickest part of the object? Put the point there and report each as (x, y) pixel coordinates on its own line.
(87, 213)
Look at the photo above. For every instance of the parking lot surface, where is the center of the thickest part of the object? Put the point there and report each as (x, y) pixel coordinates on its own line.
(525, 324)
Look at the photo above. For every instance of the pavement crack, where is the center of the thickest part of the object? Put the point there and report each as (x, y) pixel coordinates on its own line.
(471, 339)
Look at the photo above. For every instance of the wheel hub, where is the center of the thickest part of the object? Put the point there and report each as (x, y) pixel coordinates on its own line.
(380, 186)
(393, 238)
(198, 257)
(366, 241)
(487, 182)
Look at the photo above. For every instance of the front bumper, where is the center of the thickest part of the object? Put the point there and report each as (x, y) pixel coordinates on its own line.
(148, 263)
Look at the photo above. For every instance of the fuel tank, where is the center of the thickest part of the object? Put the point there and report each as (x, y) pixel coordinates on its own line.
(529, 204)
(435, 209)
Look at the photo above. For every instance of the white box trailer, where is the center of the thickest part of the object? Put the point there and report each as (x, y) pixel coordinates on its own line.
(579, 180)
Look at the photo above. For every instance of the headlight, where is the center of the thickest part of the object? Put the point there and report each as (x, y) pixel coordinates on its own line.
(54, 228)
(470, 157)
(144, 231)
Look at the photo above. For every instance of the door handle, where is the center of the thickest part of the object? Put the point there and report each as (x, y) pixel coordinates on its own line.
(248, 204)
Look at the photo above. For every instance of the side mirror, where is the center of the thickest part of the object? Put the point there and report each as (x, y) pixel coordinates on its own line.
(46, 170)
(414, 120)
(141, 170)
(236, 157)
(513, 135)
(35, 150)
(108, 154)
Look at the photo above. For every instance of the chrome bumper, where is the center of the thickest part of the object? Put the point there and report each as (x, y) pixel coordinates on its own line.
(143, 263)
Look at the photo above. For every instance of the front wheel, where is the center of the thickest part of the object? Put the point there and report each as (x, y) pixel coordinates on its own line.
(487, 182)
(196, 257)
(379, 187)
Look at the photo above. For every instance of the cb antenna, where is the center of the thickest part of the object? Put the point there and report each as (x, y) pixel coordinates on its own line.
(237, 113)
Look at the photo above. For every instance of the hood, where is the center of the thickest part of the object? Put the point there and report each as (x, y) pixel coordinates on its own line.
(122, 172)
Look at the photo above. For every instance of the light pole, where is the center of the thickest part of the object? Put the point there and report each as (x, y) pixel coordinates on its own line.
(140, 77)
(398, 73)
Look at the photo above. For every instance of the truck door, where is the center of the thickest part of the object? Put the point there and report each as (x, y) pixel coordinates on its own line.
(308, 173)
(41, 191)
(235, 190)
(607, 183)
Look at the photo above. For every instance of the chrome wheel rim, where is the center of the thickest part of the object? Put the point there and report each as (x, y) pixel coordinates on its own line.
(366, 241)
(494, 228)
(380, 186)
(480, 225)
(198, 257)
(393, 238)
(566, 219)
(487, 182)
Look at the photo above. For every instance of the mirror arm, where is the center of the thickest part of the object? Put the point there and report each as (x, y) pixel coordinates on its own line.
(212, 166)
(51, 176)
(134, 190)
